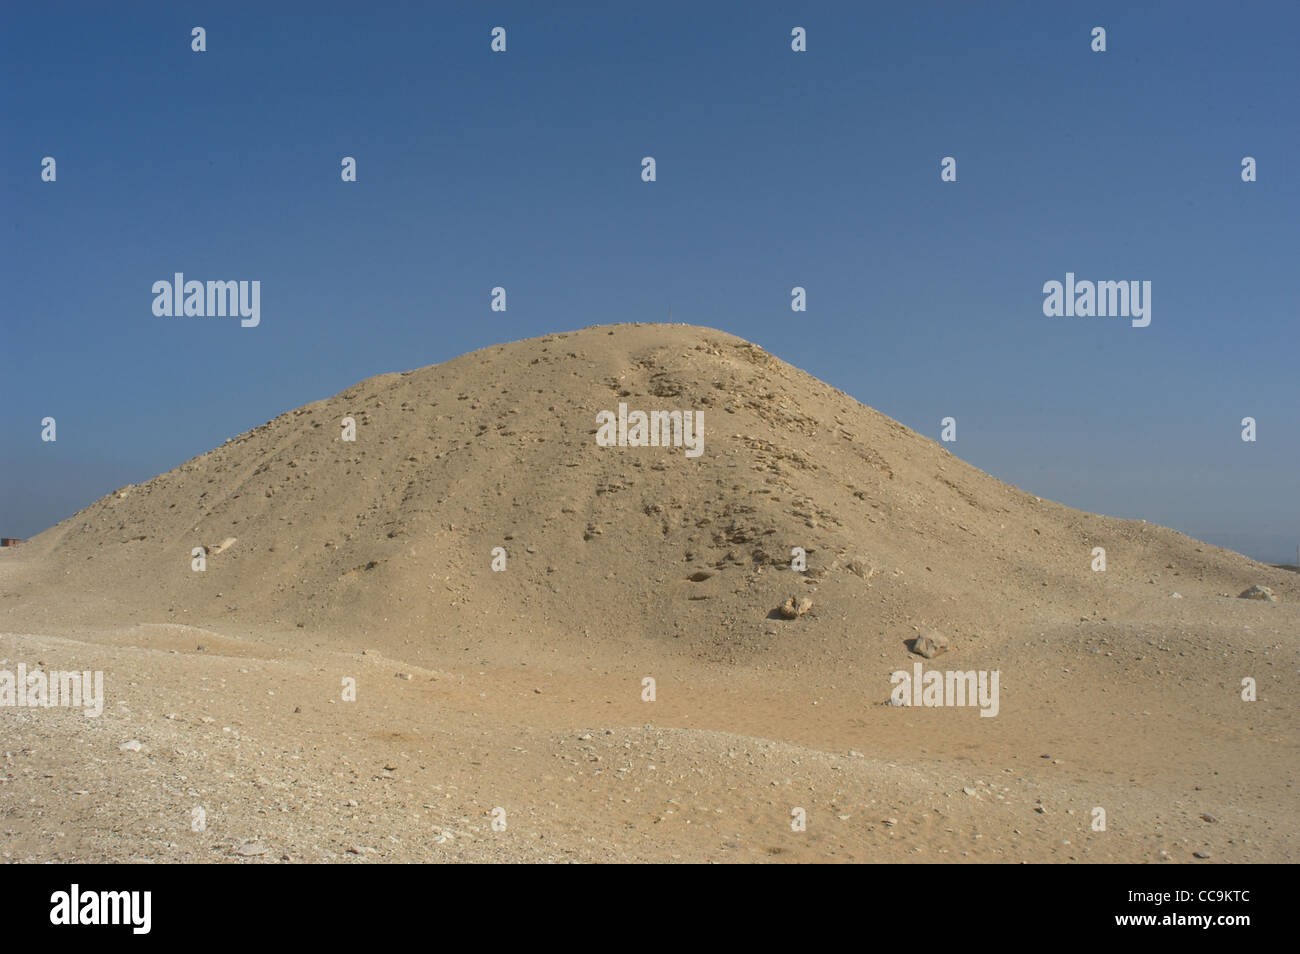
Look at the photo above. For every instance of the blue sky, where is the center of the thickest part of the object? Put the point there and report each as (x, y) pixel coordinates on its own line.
(775, 169)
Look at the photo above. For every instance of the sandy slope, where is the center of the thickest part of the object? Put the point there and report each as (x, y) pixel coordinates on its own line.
(384, 546)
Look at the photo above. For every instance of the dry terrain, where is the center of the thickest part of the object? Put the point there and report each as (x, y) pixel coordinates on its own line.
(522, 689)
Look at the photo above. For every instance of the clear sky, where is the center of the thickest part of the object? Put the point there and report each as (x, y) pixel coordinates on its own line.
(774, 169)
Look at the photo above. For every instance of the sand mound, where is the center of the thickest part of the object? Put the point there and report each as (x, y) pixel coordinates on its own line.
(640, 550)
(331, 562)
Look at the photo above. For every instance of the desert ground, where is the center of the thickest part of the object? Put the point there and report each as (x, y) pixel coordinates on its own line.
(502, 714)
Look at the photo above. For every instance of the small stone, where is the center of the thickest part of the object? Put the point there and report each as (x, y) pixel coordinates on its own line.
(1200, 854)
(861, 568)
(132, 746)
(1258, 593)
(788, 610)
(1208, 817)
(405, 675)
(968, 790)
(251, 849)
(930, 644)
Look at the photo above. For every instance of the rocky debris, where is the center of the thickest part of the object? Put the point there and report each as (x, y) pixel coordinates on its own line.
(930, 644)
(1258, 593)
(795, 607)
(860, 568)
